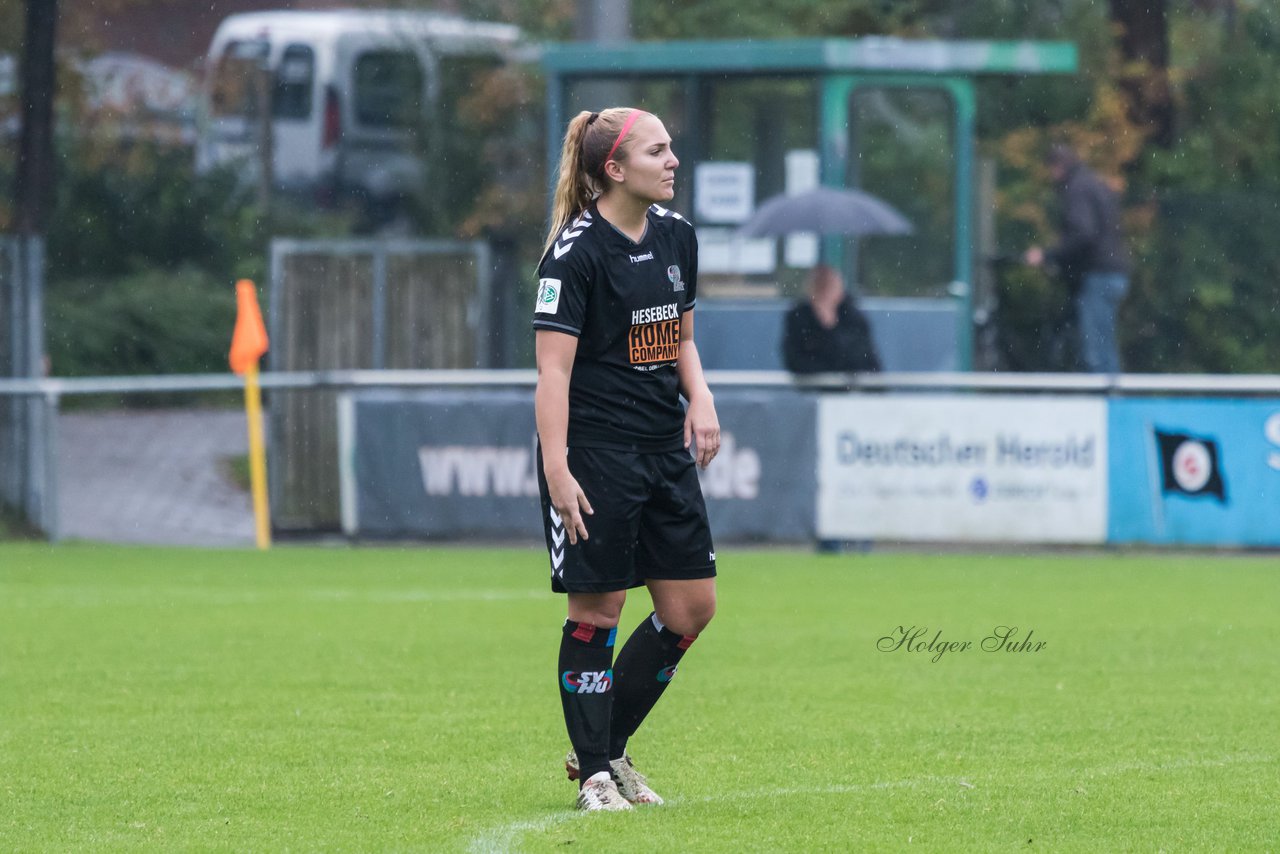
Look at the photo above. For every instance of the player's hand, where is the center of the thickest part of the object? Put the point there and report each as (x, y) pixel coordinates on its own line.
(570, 502)
(702, 426)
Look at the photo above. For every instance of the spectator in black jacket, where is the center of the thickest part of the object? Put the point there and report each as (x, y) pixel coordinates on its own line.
(1090, 256)
(827, 332)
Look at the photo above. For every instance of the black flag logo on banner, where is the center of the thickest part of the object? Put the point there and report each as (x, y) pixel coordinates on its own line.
(1190, 465)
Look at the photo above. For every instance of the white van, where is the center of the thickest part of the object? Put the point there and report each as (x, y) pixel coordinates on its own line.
(351, 91)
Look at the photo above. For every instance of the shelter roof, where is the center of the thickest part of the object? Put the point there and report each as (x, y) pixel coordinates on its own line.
(872, 54)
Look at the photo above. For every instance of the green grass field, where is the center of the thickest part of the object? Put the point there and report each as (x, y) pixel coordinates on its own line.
(405, 699)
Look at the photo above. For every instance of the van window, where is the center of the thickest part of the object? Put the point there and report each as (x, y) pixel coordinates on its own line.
(235, 89)
(388, 89)
(295, 79)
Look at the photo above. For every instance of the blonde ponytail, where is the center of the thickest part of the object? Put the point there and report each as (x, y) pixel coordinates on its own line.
(587, 143)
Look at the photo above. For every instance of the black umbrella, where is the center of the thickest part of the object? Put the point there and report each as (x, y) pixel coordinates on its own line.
(825, 210)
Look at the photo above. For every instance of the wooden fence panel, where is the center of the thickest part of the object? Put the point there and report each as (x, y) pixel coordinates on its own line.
(353, 305)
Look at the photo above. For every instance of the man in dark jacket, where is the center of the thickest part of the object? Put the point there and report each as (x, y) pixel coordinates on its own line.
(827, 332)
(1090, 256)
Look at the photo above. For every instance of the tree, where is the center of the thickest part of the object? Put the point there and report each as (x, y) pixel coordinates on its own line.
(1143, 38)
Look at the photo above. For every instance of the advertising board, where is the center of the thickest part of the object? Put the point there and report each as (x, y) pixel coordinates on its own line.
(1195, 471)
(983, 468)
(455, 464)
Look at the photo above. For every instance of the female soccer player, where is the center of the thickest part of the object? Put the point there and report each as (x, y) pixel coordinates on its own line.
(621, 501)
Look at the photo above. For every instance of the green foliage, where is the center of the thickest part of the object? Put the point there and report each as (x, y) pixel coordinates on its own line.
(155, 321)
(320, 698)
(539, 19)
(487, 163)
(770, 19)
(142, 253)
(122, 209)
(1208, 292)
(12, 26)
(1208, 262)
(1036, 326)
(1200, 214)
(1229, 129)
(906, 158)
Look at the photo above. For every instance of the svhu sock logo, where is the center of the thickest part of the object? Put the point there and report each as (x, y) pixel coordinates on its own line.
(666, 674)
(587, 681)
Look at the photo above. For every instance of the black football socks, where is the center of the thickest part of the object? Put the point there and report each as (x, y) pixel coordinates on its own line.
(586, 693)
(642, 672)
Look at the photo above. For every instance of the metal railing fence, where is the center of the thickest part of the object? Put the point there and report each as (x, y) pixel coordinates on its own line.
(43, 397)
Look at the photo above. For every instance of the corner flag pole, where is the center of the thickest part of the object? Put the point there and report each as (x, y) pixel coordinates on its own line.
(248, 344)
(257, 458)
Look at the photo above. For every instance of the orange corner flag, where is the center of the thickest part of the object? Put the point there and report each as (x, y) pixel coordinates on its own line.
(249, 341)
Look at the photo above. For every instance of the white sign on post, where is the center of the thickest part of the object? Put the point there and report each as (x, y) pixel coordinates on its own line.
(801, 164)
(724, 192)
(984, 468)
(721, 250)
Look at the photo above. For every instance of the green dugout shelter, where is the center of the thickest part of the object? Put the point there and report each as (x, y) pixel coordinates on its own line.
(751, 119)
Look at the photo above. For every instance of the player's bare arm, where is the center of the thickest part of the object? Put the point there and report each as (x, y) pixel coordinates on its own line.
(555, 352)
(701, 424)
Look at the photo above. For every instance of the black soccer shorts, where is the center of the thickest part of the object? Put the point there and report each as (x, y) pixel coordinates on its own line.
(650, 521)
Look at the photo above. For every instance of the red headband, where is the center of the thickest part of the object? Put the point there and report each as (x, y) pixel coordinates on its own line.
(626, 126)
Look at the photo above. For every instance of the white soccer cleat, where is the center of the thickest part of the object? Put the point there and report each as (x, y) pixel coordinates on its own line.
(599, 792)
(632, 785)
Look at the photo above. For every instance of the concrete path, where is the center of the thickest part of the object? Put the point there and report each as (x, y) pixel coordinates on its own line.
(153, 476)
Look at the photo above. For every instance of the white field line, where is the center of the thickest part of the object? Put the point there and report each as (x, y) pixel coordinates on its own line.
(76, 596)
(503, 838)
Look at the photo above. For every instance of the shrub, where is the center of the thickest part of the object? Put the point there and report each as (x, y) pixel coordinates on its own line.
(150, 322)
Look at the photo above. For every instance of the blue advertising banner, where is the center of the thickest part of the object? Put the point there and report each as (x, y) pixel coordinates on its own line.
(445, 464)
(763, 484)
(458, 464)
(1195, 471)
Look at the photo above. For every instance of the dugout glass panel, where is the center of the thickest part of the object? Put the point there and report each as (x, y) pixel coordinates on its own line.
(902, 142)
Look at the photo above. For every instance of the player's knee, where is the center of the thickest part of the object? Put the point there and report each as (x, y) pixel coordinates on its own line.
(690, 617)
(602, 610)
(702, 616)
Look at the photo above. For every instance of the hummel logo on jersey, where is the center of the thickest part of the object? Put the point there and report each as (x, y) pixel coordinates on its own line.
(565, 241)
(586, 681)
(557, 541)
(636, 259)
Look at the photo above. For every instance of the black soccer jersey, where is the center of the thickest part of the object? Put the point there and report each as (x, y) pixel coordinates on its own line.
(624, 301)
